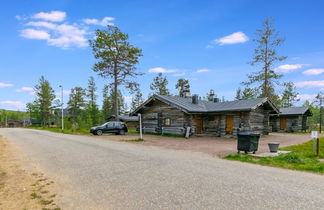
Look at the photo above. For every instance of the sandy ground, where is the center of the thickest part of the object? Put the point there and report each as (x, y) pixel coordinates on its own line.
(22, 188)
(215, 146)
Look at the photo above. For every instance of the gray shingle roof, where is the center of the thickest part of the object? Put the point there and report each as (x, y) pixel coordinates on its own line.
(297, 110)
(186, 104)
(125, 118)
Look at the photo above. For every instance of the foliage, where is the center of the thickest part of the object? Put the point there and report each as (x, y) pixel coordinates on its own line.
(137, 100)
(116, 60)
(12, 115)
(301, 158)
(266, 56)
(76, 104)
(108, 102)
(183, 86)
(247, 93)
(289, 95)
(42, 107)
(159, 85)
(92, 109)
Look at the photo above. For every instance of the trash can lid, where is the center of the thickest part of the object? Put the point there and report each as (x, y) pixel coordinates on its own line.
(247, 134)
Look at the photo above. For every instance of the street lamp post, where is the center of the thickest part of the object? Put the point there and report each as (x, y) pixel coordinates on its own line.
(62, 103)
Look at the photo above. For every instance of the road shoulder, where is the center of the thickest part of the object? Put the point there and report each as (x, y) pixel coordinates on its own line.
(22, 187)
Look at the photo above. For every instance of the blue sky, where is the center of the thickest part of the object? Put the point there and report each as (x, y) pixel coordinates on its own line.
(207, 42)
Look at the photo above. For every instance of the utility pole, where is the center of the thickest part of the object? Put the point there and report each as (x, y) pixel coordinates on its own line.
(62, 104)
(320, 126)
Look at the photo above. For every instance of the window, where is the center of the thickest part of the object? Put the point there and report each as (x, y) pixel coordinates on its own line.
(167, 121)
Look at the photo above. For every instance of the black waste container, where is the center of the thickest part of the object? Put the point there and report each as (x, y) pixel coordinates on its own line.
(247, 142)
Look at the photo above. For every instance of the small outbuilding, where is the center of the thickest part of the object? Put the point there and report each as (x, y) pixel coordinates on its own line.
(173, 115)
(131, 121)
(291, 119)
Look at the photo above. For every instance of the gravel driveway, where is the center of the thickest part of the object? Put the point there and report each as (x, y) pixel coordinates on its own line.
(98, 174)
(215, 146)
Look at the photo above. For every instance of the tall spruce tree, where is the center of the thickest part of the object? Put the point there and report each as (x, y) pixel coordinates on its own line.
(266, 56)
(76, 105)
(43, 102)
(159, 85)
(107, 106)
(183, 86)
(92, 109)
(117, 60)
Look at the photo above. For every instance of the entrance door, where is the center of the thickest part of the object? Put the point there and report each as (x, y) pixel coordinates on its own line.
(229, 123)
(199, 125)
(283, 123)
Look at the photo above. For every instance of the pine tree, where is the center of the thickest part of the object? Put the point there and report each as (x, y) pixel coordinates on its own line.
(238, 94)
(183, 86)
(92, 109)
(137, 100)
(290, 95)
(159, 85)
(117, 60)
(266, 56)
(107, 106)
(76, 105)
(43, 103)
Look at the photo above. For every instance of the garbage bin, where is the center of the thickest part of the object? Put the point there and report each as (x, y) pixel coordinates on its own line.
(247, 142)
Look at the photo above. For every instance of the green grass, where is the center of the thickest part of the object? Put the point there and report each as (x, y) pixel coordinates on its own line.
(82, 131)
(132, 131)
(301, 158)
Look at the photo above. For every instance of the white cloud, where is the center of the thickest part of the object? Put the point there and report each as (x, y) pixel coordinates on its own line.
(23, 89)
(42, 24)
(286, 68)
(161, 70)
(103, 22)
(68, 35)
(59, 35)
(310, 84)
(309, 97)
(313, 72)
(5, 85)
(234, 38)
(14, 104)
(55, 16)
(202, 70)
(34, 34)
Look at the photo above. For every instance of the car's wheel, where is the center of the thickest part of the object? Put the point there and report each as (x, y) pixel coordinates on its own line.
(121, 132)
(99, 132)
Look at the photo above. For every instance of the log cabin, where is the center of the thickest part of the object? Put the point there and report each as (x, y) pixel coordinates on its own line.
(173, 115)
(291, 119)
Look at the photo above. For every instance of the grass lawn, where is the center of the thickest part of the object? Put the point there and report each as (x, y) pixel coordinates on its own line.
(59, 130)
(301, 158)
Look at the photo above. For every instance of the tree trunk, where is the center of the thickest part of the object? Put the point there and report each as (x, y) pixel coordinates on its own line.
(116, 96)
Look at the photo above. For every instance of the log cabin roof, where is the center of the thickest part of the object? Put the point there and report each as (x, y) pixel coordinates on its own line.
(203, 106)
(125, 118)
(296, 110)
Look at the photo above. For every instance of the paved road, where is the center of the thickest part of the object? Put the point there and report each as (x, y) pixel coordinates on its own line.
(101, 174)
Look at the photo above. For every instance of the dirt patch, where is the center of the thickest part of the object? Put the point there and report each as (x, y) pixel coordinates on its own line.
(20, 188)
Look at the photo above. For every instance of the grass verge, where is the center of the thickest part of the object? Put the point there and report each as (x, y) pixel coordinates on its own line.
(301, 158)
(59, 130)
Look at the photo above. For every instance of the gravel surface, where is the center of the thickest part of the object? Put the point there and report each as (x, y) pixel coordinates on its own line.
(98, 174)
(215, 146)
